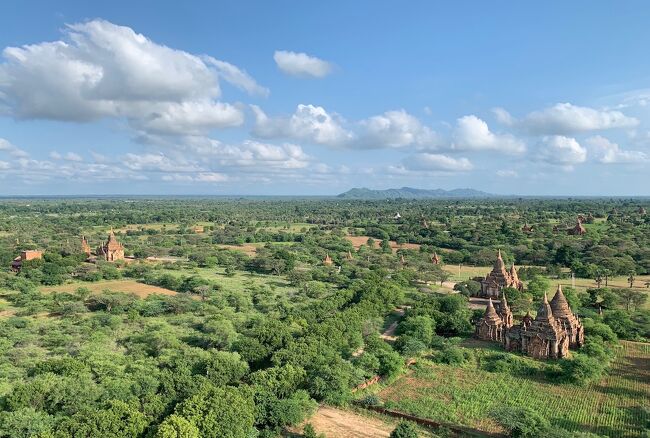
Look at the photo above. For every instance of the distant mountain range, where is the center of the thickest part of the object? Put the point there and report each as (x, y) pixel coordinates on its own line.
(411, 193)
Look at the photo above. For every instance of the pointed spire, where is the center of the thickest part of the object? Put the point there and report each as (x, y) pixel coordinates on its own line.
(559, 304)
(504, 302)
(490, 312)
(544, 313)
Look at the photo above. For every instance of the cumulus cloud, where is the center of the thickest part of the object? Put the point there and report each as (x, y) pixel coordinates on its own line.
(301, 64)
(430, 162)
(565, 118)
(395, 129)
(100, 69)
(608, 152)
(308, 123)
(315, 125)
(10, 149)
(565, 151)
(472, 133)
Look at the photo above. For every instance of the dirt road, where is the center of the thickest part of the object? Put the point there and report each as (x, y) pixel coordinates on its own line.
(337, 423)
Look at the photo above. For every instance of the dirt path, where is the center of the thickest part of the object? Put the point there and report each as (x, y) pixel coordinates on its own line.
(389, 333)
(337, 423)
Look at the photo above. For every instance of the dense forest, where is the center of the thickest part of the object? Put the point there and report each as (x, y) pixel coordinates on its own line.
(253, 330)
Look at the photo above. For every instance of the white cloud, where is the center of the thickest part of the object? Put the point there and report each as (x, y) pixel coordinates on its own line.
(101, 70)
(192, 117)
(6, 146)
(565, 118)
(309, 123)
(237, 77)
(503, 116)
(71, 156)
(507, 173)
(313, 124)
(301, 64)
(472, 133)
(608, 152)
(429, 162)
(561, 150)
(395, 129)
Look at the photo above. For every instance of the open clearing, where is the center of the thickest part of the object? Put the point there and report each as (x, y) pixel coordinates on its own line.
(337, 423)
(127, 286)
(357, 241)
(465, 272)
(616, 406)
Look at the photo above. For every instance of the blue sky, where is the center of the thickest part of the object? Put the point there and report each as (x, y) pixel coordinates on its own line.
(318, 97)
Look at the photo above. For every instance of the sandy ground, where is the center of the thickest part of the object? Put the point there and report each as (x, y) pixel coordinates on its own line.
(249, 250)
(127, 286)
(337, 423)
(357, 241)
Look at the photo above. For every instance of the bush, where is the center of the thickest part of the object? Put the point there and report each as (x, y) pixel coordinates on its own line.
(521, 422)
(405, 429)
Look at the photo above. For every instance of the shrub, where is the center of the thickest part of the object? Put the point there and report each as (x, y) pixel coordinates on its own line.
(521, 422)
(405, 429)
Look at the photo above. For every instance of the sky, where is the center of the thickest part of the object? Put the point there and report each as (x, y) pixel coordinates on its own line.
(314, 98)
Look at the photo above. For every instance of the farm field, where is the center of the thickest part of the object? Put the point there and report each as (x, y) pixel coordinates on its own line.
(615, 406)
(127, 286)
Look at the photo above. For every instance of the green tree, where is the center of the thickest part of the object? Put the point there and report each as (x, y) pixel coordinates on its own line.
(175, 426)
(224, 412)
(405, 429)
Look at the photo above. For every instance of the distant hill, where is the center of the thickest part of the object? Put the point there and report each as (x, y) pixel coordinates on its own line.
(411, 193)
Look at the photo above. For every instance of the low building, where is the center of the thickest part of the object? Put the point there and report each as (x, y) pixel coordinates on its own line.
(25, 256)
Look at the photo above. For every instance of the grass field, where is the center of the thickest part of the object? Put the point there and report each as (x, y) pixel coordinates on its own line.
(466, 272)
(616, 406)
(240, 281)
(126, 286)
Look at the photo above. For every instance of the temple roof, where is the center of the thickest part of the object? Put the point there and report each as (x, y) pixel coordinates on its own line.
(545, 314)
(560, 305)
(491, 313)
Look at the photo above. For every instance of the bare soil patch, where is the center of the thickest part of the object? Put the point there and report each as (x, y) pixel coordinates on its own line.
(337, 423)
(357, 241)
(249, 250)
(126, 286)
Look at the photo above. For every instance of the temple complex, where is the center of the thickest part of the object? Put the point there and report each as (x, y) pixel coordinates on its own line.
(111, 250)
(549, 335)
(499, 278)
